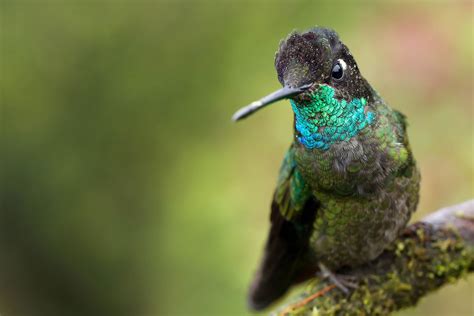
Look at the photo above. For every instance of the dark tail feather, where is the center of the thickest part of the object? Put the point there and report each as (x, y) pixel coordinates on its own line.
(284, 262)
(272, 280)
(276, 273)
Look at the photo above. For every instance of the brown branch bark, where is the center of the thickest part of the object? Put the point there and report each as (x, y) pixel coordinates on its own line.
(431, 253)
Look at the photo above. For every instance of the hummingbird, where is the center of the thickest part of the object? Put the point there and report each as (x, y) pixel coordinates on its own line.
(348, 183)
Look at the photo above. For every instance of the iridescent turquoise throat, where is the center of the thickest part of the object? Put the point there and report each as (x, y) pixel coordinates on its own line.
(324, 120)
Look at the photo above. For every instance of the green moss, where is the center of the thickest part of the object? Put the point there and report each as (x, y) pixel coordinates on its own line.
(418, 262)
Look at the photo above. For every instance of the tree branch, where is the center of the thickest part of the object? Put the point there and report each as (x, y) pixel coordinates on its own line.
(435, 251)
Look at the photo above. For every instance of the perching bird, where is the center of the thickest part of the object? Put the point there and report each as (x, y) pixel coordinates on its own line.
(348, 183)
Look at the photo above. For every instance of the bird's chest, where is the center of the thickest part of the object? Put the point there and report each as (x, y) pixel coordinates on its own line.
(347, 168)
(349, 231)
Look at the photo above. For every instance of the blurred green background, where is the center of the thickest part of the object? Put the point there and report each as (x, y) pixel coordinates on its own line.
(126, 189)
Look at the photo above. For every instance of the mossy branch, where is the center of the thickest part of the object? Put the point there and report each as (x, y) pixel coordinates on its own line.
(435, 251)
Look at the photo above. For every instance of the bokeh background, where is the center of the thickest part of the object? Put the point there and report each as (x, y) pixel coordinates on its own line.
(126, 189)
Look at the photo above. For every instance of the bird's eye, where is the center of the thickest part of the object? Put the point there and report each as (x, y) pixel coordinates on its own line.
(338, 69)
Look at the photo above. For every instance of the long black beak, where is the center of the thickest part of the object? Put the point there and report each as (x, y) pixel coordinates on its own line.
(283, 93)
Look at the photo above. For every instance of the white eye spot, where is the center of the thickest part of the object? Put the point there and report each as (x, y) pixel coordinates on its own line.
(342, 63)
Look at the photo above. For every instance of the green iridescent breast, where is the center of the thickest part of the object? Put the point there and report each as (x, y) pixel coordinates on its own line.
(323, 119)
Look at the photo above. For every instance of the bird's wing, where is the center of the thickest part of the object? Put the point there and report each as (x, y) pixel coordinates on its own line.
(401, 119)
(292, 215)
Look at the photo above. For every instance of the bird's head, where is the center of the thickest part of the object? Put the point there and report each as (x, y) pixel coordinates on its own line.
(329, 97)
(307, 61)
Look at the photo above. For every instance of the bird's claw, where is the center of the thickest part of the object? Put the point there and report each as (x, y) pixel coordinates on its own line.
(340, 281)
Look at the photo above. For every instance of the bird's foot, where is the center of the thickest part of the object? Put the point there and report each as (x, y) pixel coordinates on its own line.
(342, 282)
